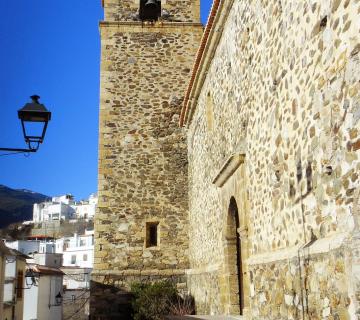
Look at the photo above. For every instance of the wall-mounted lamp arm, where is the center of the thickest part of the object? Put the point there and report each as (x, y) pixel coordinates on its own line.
(18, 150)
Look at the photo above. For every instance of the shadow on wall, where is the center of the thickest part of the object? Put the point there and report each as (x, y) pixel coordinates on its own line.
(109, 303)
(149, 298)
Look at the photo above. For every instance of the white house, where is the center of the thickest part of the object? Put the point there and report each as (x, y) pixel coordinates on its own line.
(44, 279)
(86, 209)
(24, 246)
(64, 208)
(43, 300)
(76, 278)
(66, 199)
(52, 211)
(53, 260)
(78, 251)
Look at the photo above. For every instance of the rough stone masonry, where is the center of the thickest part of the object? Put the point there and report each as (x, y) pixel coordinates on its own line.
(253, 205)
(141, 227)
(274, 162)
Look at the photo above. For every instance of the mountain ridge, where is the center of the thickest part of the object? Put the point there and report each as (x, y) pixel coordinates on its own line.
(16, 205)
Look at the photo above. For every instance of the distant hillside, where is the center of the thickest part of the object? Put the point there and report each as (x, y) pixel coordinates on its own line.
(17, 205)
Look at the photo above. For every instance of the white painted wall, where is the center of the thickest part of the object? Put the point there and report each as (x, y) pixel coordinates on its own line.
(47, 247)
(31, 303)
(76, 278)
(64, 208)
(38, 299)
(2, 279)
(85, 210)
(13, 265)
(9, 292)
(77, 250)
(52, 211)
(53, 260)
(10, 267)
(24, 246)
(67, 199)
(49, 287)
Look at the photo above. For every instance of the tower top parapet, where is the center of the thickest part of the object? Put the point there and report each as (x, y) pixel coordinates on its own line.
(171, 10)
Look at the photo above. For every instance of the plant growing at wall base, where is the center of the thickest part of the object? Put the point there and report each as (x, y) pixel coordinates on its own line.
(183, 305)
(152, 301)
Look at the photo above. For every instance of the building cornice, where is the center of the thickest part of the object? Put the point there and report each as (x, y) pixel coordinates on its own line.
(158, 24)
(135, 26)
(211, 37)
(136, 272)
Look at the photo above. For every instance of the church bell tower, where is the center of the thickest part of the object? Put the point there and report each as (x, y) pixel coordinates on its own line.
(141, 226)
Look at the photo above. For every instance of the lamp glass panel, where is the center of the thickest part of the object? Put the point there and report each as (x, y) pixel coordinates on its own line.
(34, 129)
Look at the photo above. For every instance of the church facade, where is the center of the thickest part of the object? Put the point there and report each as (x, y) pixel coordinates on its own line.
(252, 203)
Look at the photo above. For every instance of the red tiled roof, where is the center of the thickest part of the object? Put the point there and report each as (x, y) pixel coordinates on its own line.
(40, 236)
(43, 270)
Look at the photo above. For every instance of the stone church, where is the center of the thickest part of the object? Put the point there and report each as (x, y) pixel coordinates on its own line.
(229, 156)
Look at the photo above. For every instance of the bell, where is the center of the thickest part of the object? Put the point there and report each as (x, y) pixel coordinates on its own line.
(151, 4)
(150, 10)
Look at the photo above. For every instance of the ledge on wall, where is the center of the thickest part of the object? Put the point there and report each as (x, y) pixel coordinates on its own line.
(229, 167)
(203, 317)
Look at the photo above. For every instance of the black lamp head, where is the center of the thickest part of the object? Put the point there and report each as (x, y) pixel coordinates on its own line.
(58, 298)
(34, 111)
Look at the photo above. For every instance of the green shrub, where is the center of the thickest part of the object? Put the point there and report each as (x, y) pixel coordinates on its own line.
(151, 301)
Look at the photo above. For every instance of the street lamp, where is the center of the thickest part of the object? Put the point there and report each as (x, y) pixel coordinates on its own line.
(58, 299)
(33, 112)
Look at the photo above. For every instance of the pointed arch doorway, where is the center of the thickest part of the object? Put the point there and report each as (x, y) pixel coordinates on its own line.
(233, 260)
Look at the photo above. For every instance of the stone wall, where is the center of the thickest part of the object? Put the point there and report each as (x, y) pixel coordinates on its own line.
(76, 304)
(142, 152)
(177, 10)
(142, 156)
(110, 296)
(282, 90)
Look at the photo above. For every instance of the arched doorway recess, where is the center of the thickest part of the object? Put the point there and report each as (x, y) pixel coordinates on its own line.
(234, 264)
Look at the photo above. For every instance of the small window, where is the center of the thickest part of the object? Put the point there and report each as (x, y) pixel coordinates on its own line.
(73, 259)
(66, 244)
(85, 257)
(152, 234)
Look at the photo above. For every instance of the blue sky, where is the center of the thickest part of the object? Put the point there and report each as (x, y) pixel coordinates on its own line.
(52, 48)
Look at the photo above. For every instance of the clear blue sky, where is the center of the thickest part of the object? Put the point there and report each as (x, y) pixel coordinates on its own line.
(52, 48)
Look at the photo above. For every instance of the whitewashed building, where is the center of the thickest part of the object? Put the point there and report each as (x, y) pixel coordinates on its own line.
(64, 208)
(44, 298)
(52, 211)
(24, 246)
(13, 265)
(76, 278)
(66, 199)
(44, 279)
(78, 251)
(85, 209)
